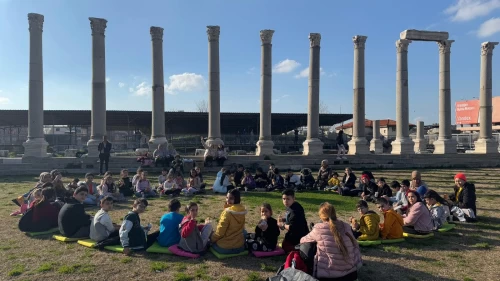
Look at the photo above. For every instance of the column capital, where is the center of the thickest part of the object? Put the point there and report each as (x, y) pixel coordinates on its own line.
(98, 26)
(487, 48)
(156, 33)
(315, 39)
(35, 22)
(213, 32)
(266, 36)
(402, 45)
(445, 46)
(359, 41)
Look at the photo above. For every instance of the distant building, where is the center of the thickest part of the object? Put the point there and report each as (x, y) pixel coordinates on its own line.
(387, 128)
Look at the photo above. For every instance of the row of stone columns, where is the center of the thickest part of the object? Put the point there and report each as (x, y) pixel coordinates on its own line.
(36, 145)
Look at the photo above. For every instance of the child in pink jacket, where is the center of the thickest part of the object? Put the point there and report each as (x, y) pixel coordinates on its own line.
(418, 220)
(333, 260)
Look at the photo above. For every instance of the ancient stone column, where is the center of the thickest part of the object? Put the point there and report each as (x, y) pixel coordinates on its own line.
(35, 146)
(265, 144)
(158, 113)
(403, 144)
(376, 142)
(358, 144)
(445, 144)
(214, 135)
(420, 143)
(98, 117)
(312, 144)
(486, 143)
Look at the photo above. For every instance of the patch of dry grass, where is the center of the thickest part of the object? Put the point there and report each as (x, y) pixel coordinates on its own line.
(465, 253)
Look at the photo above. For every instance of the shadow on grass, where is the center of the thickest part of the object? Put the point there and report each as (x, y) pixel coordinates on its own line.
(376, 270)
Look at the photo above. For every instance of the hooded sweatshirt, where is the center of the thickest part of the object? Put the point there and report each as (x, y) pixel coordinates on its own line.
(229, 231)
(393, 225)
(369, 226)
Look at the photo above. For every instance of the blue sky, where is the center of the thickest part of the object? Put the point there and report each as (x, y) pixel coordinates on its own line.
(67, 52)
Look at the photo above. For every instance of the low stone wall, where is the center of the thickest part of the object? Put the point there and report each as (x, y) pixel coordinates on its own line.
(18, 166)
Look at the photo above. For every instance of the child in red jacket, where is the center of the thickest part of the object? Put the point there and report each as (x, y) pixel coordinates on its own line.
(194, 236)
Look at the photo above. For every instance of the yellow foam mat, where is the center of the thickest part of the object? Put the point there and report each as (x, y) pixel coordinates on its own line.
(66, 239)
(226, 256)
(418, 236)
(87, 243)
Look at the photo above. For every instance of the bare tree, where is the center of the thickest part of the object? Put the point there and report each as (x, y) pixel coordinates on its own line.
(202, 106)
(323, 107)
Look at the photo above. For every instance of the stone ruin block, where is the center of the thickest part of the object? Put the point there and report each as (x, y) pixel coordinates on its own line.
(423, 35)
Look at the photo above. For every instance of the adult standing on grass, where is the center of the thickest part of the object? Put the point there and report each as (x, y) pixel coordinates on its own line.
(104, 153)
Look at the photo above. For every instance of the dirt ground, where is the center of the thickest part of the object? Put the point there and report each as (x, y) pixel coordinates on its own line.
(470, 252)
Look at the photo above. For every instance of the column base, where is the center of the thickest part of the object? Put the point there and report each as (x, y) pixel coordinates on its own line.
(155, 141)
(402, 146)
(358, 146)
(486, 146)
(264, 147)
(420, 146)
(313, 147)
(376, 146)
(92, 145)
(445, 146)
(36, 147)
(214, 141)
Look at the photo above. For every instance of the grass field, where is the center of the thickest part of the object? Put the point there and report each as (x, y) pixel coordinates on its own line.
(470, 252)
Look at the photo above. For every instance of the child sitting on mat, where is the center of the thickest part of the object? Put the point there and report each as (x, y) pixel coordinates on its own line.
(42, 216)
(392, 227)
(73, 221)
(133, 236)
(169, 225)
(102, 227)
(125, 185)
(368, 227)
(438, 207)
(266, 233)
(294, 222)
(194, 236)
(229, 236)
(418, 218)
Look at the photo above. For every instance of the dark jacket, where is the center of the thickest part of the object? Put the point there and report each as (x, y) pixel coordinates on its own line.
(340, 139)
(466, 198)
(307, 180)
(40, 217)
(72, 217)
(238, 176)
(370, 188)
(104, 148)
(261, 176)
(324, 175)
(296, 219)
(351, 182)
(126, 187)
(385, 190)
(136, 236)
(270, 236)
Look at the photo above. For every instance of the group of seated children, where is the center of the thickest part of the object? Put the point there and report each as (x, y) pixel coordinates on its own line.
(214, 153)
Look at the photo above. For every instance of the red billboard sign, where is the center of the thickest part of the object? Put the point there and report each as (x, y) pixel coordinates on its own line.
(467, 112)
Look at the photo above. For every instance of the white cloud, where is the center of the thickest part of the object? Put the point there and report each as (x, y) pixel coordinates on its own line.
(305, 73)
(4, 100)
(108, 79)
(185, 82)
(285, 66)
(279, 98)
(489, 28)
(143, 89)
(131, 89)
(465, 10)
(121, 84)
(251, 70)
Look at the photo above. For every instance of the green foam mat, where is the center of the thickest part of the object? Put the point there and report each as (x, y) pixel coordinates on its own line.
(115, 248)
(369, 243)
(226, 256)
(392, 241)
(447, 227)
(156, 248)
(50, 231)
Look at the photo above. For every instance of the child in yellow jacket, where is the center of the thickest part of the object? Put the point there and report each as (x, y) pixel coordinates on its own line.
(333, 182)
(368, 228)
(392, 228)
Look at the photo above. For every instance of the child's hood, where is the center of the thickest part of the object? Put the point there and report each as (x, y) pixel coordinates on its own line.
(238, 211)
